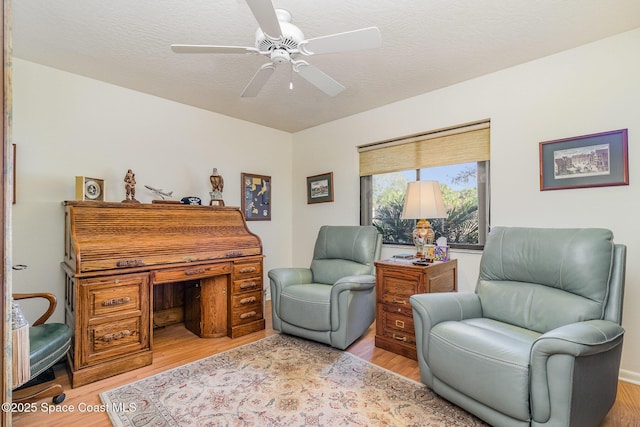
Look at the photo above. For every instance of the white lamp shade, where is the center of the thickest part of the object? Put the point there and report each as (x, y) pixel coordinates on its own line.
(423, 200)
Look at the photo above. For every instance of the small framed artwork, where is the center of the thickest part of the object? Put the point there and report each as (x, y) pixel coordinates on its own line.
(597, 160)
(256, 197)
(320, 188)
(89, 189)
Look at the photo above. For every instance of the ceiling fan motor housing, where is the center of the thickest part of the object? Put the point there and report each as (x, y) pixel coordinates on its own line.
(292, 36)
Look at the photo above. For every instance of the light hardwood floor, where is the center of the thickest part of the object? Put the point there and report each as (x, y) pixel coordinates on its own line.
(175, 346)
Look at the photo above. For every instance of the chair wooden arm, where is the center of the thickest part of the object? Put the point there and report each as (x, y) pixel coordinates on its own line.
(48, 296)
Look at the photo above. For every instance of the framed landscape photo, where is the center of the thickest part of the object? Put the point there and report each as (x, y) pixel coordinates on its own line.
(320, 188)
(596, 160)
(256, 197)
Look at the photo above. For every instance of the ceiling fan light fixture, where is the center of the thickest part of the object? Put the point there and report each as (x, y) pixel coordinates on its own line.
(280, 56)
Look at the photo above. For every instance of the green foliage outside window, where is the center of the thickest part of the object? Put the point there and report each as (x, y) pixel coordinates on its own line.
(460, 227)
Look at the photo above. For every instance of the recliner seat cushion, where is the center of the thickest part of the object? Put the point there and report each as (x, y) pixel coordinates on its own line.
(486, 360)
(307, 306)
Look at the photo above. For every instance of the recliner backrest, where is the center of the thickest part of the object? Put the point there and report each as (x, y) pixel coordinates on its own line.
(342, 250)
(541, 279)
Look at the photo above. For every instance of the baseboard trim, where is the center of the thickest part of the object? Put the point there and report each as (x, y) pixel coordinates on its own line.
(629, 376)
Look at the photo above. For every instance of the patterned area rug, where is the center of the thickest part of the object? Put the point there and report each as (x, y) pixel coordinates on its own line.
(280, 381)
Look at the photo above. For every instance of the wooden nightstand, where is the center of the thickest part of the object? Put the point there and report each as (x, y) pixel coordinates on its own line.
(396, 281)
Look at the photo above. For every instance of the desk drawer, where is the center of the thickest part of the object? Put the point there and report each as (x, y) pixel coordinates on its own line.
(191, 272)
(245, 300)
(247, 270)
(248, 285)
(111, 339)
(114, 295)
(246, 314)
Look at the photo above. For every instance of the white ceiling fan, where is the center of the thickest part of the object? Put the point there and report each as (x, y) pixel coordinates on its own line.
(282, 42)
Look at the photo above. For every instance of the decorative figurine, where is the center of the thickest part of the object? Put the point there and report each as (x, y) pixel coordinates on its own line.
(217, 184)
(130, 186)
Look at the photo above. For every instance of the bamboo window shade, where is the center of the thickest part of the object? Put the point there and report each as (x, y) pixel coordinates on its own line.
(453, 146)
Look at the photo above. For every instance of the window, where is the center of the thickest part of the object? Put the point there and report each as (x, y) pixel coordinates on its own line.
(460, 165)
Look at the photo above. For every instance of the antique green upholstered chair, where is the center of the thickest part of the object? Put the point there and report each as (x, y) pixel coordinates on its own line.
(539, 342)
(49, 343)
(334, 300)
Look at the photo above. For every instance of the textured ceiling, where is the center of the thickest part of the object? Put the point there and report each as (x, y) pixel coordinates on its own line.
(426, 45)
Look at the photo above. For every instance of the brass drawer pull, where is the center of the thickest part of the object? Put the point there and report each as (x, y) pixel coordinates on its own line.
(248, 315)
(248, 285)
(399, 301)
(400, 324)
(195, 271)
(116, 336)
(233, 254)
(249, 300)
(130, 263)
(399, 338)
(116, 301)
(248, 270)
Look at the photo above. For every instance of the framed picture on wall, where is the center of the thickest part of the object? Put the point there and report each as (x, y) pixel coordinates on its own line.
(596, 160)
(256, 197)
(320, 188)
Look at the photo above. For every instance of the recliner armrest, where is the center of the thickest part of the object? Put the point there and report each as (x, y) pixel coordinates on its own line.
(350, 283)
(575, 340)
(361, 282)
(439, 307)
(431, 309)
(284, 277)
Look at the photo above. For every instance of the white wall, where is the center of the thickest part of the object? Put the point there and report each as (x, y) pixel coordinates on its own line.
(594, 88)
(66, 125)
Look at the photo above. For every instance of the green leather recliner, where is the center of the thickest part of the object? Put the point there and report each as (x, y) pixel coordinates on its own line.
(539, 342)
(333, 301)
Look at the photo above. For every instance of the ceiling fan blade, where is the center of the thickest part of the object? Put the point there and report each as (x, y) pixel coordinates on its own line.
(265, 14)
(203, 48)
(365, 38)
(317, 78)
(258, 80)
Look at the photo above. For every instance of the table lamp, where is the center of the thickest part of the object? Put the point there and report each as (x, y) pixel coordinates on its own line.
(423, 200)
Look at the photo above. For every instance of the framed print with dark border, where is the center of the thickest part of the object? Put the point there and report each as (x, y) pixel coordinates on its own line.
(320, 188)
(256, 197)
(597, 160)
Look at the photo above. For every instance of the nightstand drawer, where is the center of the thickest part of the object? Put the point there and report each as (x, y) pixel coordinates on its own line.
(402, 309)
(396, 299)
(398, 322)
(400, 286)
(399, 329)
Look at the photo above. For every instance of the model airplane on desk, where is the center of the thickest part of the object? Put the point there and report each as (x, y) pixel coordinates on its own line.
(159, 192)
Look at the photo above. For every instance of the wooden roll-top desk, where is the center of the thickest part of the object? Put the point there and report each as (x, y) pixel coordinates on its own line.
(131, 267)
